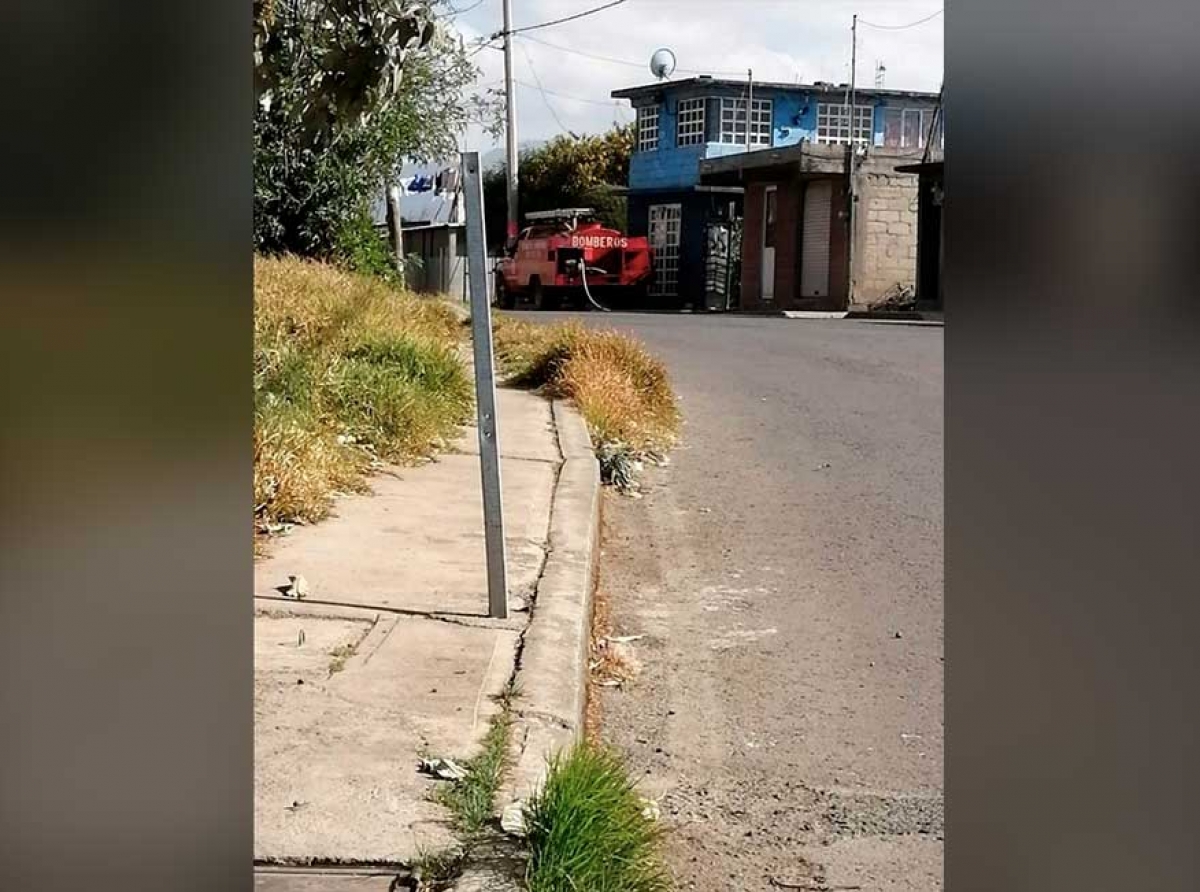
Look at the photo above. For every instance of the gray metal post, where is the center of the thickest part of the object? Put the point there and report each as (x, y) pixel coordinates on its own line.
(511, 152)
(396, 224)
(485, 388)
(851, 194)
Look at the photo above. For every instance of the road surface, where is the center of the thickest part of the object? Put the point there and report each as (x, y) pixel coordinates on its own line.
(786, 569)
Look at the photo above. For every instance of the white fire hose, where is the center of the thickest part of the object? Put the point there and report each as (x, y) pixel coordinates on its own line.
(587, 291)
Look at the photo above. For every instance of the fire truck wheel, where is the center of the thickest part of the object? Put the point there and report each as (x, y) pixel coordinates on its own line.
(543, 297)
(505, 299)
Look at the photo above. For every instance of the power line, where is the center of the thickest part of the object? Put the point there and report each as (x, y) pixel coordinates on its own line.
(542, 90)
(486, 45)
(615, 61)
(454, 10)
(902, 27)
(607, 102)
(569, 18)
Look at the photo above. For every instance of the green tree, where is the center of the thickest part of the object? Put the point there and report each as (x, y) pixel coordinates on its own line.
(349, 89)
(568, 171)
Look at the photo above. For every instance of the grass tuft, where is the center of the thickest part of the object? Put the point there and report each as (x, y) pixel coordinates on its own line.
(348, 371)
(471, 801)
(622, 390)
(436, 871)
(587, 829)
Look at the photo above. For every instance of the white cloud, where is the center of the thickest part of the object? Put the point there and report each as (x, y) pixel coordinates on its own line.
(782, 40)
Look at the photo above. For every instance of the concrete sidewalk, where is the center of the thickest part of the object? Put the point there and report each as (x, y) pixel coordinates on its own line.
(390, 656)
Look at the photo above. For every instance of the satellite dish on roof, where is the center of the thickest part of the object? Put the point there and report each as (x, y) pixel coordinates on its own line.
(662, 63)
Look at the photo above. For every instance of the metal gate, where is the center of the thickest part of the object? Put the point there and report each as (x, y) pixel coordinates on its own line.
(814, 245)
(664, 230)
(722, 263)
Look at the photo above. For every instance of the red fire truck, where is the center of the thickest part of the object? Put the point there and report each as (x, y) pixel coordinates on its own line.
(567, 255)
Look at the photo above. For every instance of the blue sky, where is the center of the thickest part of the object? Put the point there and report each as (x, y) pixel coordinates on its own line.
(782, 40)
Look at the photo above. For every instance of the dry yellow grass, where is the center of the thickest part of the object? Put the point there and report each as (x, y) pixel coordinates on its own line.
(347, 370)
(623, 391)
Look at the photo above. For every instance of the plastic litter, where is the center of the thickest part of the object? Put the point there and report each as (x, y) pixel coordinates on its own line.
(446, 769)
(512, 819)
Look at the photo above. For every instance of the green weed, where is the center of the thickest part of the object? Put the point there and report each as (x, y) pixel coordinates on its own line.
(588, 831)
(472, 800)
(347, 370)
(622, 391)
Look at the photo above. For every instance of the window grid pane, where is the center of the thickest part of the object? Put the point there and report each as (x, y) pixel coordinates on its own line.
(647, 128)
(664, 230)
(833, 123)
(689, 128)
(733, 122)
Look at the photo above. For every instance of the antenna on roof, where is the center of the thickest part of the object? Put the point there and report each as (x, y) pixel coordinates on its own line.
(662, 63)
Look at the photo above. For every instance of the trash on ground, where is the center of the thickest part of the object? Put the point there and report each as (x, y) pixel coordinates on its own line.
(625, 639)
(898, 297)
(297, 587)
(650, 809)
(446, 769)
(512, 818)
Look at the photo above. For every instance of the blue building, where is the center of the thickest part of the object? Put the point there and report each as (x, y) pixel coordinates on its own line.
(682, 123)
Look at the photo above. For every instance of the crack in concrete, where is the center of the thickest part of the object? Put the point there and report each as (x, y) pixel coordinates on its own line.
(462, 619)
(547, 546)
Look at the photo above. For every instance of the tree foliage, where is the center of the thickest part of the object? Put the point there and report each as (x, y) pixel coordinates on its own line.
(347, 56)
(565, 172)
(348, 90)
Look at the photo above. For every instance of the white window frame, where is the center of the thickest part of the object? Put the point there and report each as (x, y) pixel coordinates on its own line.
(666, 251)
(833, 120)
(647, 127)
(689, 122)
(922, 126)
(733, 121)
(924, 117)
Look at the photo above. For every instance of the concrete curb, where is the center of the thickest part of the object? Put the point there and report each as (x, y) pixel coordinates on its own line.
(814, 314)
(909, 317)
(553, 671)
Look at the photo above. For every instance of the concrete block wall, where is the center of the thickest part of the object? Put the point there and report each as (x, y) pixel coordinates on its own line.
(886, 226)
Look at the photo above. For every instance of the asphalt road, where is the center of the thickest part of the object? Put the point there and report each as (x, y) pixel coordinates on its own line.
(786, 569)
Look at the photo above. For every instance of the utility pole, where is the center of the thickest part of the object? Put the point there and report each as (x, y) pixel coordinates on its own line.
(749, 103)
(395, 223)
(851, 155)
(853, 71)
(510, 136)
